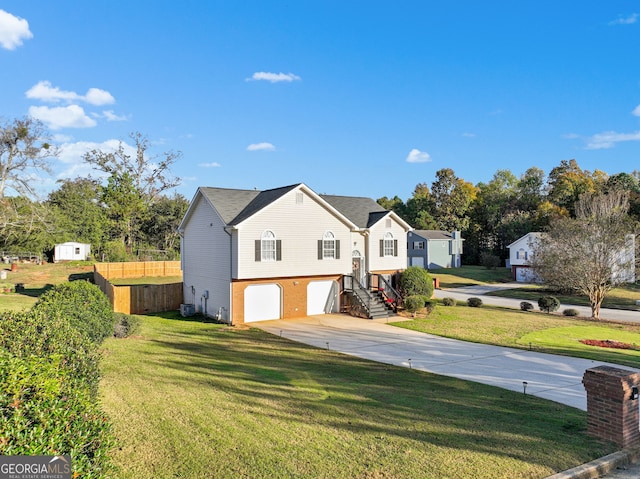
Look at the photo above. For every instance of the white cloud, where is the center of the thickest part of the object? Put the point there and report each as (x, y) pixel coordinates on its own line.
(44, 91)
(469, 135)
(110, 116)
(417, 156)
(636, 111)
(608, 139)
(210, 165)
(274, 77)
(96, 96)
(628, 20)
(13, 30)
(261, 147)
(71, 116)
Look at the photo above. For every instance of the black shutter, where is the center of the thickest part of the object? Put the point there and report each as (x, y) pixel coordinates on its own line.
(258, 250)
(381, 248)
(395, 247)
(278, 250)
(319, 249)
(337, 249)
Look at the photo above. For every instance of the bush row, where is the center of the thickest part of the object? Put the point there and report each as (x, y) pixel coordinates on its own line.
(49, 373)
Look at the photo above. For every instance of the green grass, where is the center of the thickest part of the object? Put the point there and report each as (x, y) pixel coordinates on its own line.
(195, 400)
(470, 275)
(544, 332)
(619, 298)
(37, 279)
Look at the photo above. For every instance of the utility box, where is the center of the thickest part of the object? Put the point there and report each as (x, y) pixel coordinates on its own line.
(187, 310)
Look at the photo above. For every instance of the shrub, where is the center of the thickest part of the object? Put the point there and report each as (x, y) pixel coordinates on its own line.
(429, 306)
(526, 306)
(414, 303)
(570, 312)
(49, 392)
(32, 333)
(489, 260)
(416, 281)
(474, 302)
(448, 301)
(548, 304)
(83, 305)
(125, 325)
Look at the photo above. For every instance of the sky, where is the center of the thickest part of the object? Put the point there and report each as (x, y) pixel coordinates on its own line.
(358, 98)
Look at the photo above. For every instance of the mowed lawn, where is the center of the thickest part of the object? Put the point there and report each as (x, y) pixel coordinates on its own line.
(199, 400)
(551, 333)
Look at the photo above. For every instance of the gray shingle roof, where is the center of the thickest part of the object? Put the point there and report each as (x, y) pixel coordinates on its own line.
(235, 206)
(434, 234)
(362, 211)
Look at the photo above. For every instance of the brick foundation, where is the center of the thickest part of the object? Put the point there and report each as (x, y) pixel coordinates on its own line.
(612, 414)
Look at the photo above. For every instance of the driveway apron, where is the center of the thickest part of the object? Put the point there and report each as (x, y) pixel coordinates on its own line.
(557, 378)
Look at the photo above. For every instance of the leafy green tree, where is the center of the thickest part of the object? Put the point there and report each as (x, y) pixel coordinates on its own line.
(136, 180)
(160, 228)
(80, 214)
(452, 198)
(126, 208)
(567, 182)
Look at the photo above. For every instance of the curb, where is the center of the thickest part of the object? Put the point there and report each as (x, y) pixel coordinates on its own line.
(598, 467)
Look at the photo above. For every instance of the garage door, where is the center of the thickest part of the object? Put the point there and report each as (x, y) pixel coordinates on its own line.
(261, 302)
(321, 296)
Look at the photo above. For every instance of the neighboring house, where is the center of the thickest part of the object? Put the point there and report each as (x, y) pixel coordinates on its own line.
(71, 251)
(250, 255)
(434, 249)
(521, 251)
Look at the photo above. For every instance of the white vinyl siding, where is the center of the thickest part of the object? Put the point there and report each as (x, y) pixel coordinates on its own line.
(205, 260)
(377, 235)
(299, 228)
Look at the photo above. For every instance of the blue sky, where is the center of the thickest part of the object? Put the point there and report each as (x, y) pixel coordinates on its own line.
(364, 98)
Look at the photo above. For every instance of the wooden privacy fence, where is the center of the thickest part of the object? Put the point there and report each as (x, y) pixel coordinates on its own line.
(142, 298)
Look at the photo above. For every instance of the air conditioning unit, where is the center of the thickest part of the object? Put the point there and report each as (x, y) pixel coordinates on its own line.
(187, 310)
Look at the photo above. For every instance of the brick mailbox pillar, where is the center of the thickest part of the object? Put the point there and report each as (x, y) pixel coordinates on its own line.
(612, 405)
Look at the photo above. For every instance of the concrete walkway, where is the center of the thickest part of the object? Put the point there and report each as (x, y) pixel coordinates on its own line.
(556, 378)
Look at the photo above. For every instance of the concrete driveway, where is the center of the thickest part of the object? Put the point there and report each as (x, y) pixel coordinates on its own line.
(556, 378)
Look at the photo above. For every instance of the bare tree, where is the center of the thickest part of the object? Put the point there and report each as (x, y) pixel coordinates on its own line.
(590, 254)
(24, 148)
(151, 175)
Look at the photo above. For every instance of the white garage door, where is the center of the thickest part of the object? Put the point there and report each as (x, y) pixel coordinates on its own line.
(320, 295)
(417, 261)
(261, 302)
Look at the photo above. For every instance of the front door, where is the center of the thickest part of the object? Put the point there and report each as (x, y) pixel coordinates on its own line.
(358, 266)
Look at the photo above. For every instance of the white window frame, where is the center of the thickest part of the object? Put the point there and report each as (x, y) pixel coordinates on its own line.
(418, 245)
(328, 245)
(388, 244)
(268, 246)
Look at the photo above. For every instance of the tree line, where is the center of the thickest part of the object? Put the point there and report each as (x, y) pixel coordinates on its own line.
(492, 215)
(125, 211)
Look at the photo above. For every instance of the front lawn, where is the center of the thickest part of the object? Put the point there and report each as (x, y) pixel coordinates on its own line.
(470, 275)
(529, 330)
(192, 399)
(623, 297)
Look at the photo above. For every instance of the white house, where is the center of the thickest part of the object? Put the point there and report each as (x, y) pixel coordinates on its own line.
(521, 252)
(71, 251)
(434, 249)
(250, 255)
